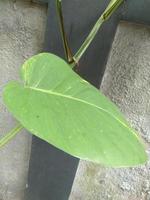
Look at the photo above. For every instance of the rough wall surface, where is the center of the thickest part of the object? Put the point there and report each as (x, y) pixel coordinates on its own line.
(21, 36)
(127, 83)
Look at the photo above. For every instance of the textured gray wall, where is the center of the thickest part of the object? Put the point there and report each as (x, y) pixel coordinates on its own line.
(127, 83)
(21, 36)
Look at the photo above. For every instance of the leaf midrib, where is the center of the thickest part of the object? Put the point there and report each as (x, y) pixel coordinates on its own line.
(79, 100)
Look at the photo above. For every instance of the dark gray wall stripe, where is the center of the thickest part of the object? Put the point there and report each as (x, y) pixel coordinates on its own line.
(52, 171)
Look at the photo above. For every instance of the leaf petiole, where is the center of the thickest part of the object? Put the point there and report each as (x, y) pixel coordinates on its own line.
(113, 5)
(10, 135)
(67, 49)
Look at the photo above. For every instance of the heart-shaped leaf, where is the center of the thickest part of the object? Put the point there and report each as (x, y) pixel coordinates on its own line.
(58, 106)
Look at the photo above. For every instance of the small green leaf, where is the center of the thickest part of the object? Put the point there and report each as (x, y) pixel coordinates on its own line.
(61, 108)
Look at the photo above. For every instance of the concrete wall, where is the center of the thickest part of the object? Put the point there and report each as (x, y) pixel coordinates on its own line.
(127, 83)
(22, 26)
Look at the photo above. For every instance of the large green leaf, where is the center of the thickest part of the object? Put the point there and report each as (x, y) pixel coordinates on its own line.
(60, 107)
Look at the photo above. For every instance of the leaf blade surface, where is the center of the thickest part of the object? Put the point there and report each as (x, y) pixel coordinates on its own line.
(61, 108)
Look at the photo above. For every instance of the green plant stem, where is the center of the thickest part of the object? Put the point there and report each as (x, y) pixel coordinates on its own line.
(113, 5)
(67, 49)
(10, 135)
